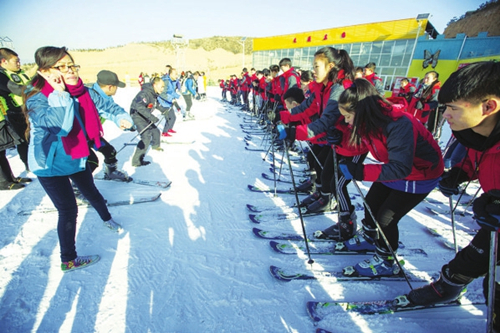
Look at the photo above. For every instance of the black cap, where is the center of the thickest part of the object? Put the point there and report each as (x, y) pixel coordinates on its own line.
(108, 77)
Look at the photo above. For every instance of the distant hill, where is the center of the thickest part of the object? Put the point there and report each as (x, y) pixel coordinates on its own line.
(485, 18)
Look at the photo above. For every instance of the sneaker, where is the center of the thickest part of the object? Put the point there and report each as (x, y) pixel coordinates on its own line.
(5, 186)
(172, 131)
(113, 226)
(376, 266)
(165, 135)
(79, 262)
(117, 175)
(310, 199)
(359, 243)
(141, 163)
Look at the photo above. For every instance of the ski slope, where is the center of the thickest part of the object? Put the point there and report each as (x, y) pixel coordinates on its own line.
(189, 261)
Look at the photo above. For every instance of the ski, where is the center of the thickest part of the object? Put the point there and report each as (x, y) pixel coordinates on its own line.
(328, 248)
(440, 211)
(298, 181)
(319, 310)
(85, 204)
(259, 218)
(255, 209)
(287, 276)
(254, 188)
(462, 237)
(178, 142)
(163, 184)
(272, 235)
(256, 149)
(296, 173)
(263, 217)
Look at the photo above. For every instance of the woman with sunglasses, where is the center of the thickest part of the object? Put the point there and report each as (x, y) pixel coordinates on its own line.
(64, 121)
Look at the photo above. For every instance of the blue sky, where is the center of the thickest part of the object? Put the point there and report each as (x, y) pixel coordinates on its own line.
(102, 23)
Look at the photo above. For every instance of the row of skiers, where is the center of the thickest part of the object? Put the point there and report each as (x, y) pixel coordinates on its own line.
(344, 118)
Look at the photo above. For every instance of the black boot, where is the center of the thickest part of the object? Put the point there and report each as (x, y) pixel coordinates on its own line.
(447, 288)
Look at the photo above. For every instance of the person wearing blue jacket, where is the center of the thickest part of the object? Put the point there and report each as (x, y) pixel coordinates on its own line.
(188, 91)
(168, 99)
(106, 86)
(64, 118)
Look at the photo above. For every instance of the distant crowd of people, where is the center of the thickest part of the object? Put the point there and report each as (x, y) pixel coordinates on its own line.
(55, 122)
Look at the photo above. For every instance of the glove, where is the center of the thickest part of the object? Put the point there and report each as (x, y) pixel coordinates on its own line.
(448, 185)
(198, 97)
(352, 170)
(487, 210)
(281, 131)
(153, 119)
(334, 136)
(285, 117)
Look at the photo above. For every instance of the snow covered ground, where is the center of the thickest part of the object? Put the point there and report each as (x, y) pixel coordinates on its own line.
(189, 261)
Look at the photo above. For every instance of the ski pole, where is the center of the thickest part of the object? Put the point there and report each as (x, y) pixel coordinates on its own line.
(381, 232)
(453, 228)
(491, 281)
(140, 133)
(310, 261)
(470, 202)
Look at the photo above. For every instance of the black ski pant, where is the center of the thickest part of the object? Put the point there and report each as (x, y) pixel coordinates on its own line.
(149, 136)
(106, 149)
(316, 159)
(328, 180)
(170, 118)
(6, 175)
(473, 261)
(20, 125)
(388, 207)
(189, 101)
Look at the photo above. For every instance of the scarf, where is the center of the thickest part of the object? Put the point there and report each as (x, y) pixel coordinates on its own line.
(76, 142)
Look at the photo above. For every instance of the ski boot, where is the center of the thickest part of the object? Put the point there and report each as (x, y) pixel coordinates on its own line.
(310, 199)
(306, 187)
(112, 173)
(363, 241)
(447, 288)
(324, 203)
(381, 264)
(345, 229)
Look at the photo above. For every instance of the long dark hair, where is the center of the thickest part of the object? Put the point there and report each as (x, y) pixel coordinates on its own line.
(371, 111)
(45, 58)
(341, 60)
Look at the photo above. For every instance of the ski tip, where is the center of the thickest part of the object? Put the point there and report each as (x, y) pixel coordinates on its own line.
(275, 272)
(311, 311)
(254, 218)
(320, 330)
(275, 246)
(257, 232)
(253, 208)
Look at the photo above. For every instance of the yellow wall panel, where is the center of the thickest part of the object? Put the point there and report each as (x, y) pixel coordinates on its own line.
(389, 30)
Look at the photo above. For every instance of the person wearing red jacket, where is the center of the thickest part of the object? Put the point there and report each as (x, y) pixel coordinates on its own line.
(289, 79)
(245, 86)
(472, 99)
(425, 101)
(334, 72)
(370, 75)
(410, 168)
(407, 89)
